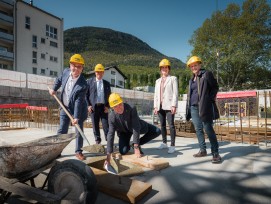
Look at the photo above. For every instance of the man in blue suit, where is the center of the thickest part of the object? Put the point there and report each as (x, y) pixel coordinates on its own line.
(73, 97)
(97, 98)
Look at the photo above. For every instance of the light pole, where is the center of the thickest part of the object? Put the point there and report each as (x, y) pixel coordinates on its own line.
(217, 65)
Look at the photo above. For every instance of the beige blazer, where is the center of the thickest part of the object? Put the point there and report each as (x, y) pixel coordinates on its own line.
(170, 95)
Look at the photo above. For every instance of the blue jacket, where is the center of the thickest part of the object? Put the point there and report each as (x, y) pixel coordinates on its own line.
(77, 104)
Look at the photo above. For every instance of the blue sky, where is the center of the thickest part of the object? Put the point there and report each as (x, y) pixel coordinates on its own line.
(165, 25)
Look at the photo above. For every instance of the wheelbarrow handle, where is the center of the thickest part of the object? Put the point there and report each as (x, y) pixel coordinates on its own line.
(70, 116)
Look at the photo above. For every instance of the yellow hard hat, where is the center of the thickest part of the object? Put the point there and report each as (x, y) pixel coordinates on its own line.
(77, 58)
(164, 62)
(192, 60)
(99, 68)
(114, 99)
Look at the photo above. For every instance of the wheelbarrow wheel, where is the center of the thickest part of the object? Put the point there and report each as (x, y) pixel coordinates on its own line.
(75, 176)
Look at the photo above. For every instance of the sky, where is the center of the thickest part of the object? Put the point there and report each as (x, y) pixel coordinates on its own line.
(165, 25)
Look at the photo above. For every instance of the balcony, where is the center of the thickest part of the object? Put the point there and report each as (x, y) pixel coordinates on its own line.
(6, 55)
(6, 37)
(7, 20)
(8, 2)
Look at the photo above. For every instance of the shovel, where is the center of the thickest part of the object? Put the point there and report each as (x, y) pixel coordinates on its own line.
(70, 116)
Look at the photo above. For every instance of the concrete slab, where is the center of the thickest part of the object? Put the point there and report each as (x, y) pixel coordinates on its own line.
(243, 177)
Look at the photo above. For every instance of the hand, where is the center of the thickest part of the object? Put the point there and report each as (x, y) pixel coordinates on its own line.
(105, 109)
(75, 121)
(155, 111)
(52, 92)
(90, 110)
(173, 110)
(137, 151)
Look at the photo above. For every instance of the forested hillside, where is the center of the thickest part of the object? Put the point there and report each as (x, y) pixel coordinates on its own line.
(135, 58)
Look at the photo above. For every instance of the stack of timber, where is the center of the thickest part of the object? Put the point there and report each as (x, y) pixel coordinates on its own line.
(184, 128)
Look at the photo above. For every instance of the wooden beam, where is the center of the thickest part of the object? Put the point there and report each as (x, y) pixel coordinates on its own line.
(123, 188)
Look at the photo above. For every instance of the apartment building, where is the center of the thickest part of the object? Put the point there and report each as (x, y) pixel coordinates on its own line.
(7, 34)
(31, 40)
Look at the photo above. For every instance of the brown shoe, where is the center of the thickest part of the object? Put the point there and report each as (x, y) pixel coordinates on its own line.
(80, 156)
(216, 158)
(201, 153)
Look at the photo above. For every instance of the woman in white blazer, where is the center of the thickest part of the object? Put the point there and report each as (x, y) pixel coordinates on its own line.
(165, 103)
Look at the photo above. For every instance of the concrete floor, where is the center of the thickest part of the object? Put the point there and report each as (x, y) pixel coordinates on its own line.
(244, 176)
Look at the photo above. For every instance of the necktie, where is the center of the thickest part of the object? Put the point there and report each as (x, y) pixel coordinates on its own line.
(99, 91)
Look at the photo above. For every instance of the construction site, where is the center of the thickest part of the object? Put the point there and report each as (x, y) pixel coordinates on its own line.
(243, 131)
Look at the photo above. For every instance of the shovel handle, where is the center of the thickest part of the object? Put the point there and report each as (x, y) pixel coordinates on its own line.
(70, 116)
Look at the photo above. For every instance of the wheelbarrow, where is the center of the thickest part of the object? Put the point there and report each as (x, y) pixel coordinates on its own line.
(70, 181)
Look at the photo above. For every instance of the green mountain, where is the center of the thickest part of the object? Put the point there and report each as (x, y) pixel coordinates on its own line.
(109, 47)
(122, 48)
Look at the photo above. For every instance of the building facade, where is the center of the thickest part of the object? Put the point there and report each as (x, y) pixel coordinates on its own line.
(7, 34)
(32, 39)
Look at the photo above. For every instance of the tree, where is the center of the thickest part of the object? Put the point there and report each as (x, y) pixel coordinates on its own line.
(234, 42)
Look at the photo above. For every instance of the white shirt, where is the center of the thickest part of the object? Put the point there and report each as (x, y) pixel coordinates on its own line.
(68, 89)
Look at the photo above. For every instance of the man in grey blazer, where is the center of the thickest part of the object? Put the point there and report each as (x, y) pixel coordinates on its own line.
(97, 99)
(73, 97)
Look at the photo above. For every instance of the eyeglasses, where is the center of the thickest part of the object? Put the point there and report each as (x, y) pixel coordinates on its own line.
(78, 66)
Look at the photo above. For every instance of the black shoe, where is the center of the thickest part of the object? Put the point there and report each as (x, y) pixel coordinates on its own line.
(98, 141)
(201, 153)
(216, 158)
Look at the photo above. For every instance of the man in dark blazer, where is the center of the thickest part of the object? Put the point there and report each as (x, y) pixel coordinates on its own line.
(201, 107)
(97, 98)
(73, 97)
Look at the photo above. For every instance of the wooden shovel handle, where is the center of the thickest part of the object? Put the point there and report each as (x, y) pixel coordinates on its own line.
(70, 116)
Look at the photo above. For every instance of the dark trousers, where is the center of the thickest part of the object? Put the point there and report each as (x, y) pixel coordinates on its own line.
(96, 116)
(125, 137)
(163, 116)
(64, 127)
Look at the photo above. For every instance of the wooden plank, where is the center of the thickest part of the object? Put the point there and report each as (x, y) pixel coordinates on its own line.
(123, 188)
(146, 161)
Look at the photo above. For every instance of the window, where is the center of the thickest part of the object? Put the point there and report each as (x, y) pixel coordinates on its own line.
(113, 82)
(53, 44)
(34, 57)
(113, 73)
(121, 83)
(34, 70)
(34, 41)
(51, 32)
(53, 59)
(42, 40)
(3, 66)
(53, 73)
(27, 22)
(42, 71)
(42, 56)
